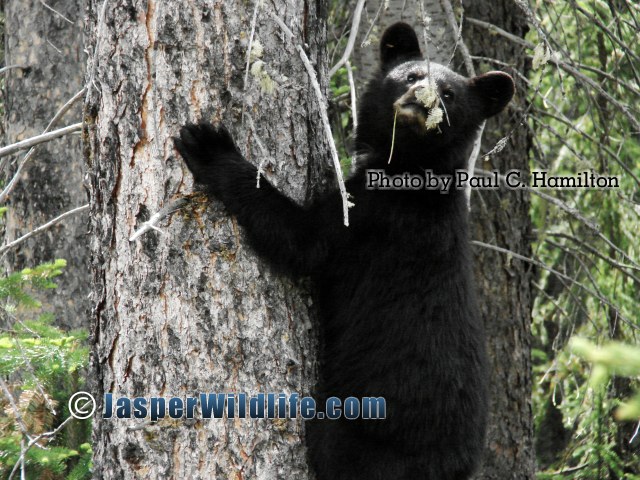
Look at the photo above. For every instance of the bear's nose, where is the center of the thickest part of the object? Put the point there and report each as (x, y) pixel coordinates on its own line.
(426, 94)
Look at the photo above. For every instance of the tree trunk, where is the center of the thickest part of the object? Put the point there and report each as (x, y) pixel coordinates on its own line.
(191, 309)
(426, 17)
(47, 47)
(500, 219)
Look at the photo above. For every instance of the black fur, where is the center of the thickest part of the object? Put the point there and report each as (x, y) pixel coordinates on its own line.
(394, 290)
(399, 43)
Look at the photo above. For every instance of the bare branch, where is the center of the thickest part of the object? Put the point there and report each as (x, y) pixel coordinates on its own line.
(38, 139)
(563, 65)
(473, 159)
(503, 33)
(54, 47)
(533, 20)
(352, 91)
(620, 266)
(556, 201)
(156, 218)
(12, 183)
(322, 105)
(42, 228)
(365, 40)
(249, 47)
(466, 56)
(563, 206)
(10, 67)
(593, 84)
(629, 88)
(263, 151)
(468, 62)
(609, 33)
(34, 441)
(574, 213)
(540, 264)
(65, 108)
(563, 119)
(355, 24)
(56, 12)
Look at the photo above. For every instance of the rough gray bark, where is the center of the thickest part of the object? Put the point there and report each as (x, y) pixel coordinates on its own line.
(501, 218)
(192, 309)
(49, 49)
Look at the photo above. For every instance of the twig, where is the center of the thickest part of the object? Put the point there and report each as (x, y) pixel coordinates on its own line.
(45, 137)
(263, 150)
(563, 65)
(327, 128)
(503, 33)
(393, 136)
(54, 47)
(593, 84)
(157, 217)
(458, 36)
(620, 266)
(54, 120)
(249, 47)
(630, 88)
(355, 24)
(323, 116)
(466, 56)
(24, 451)
(556, 201)
(365, 40)
(571, 469)
(471, 71)
(533, 20)
(425, 20)
(510, 66)
(540, 264)
(352, 91)
(575, 254)
(563, 119)
(609, 33)
(473, 159)
(42, 228)
(9, 67)
(56, 12)
(574, 213)
(64, 109)
(354, 108)
(23, 471)
(635, 434)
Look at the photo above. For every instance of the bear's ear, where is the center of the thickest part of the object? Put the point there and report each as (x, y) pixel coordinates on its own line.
(399, 42)
(494, 90)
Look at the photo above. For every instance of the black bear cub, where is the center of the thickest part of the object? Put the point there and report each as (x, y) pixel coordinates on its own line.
(394, 290)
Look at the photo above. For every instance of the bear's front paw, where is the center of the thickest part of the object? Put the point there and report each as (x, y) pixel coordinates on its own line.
(206, 149)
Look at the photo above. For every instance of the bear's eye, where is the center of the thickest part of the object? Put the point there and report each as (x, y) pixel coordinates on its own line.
(412, 77)
(448, 94)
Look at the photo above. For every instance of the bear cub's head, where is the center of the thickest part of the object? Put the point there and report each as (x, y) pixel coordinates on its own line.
(432, 112)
